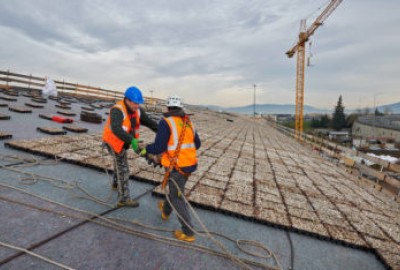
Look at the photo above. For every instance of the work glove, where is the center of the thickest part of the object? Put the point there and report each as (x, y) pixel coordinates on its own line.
(135, 144)
(151, 159)
(143, 153)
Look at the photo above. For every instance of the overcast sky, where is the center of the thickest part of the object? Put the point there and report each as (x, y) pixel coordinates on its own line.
(209, 52)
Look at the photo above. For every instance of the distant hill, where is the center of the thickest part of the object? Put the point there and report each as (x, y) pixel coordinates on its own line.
(393, 108)
(274, 109)
(267, 109)
(290, 109)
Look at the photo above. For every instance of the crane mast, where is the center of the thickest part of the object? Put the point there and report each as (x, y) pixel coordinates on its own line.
(300, 48)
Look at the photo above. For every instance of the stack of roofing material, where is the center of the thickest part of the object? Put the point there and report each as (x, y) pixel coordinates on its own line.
(8, 98)
(4, 117)
(4, 135)
(52, 131)
(45, 116)
(11, 92)
(91, 117)
(19, 109)
(31, 94)
(54, 98)
(87, 108)
(65, 103)
(34, 105)
(66, 113)
(39, 100)
(64, 107)
(75, 129)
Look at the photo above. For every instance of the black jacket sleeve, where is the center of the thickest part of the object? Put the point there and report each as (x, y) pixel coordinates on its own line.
(160, 144)
(116, 119)
(146, 121)
(197, 140)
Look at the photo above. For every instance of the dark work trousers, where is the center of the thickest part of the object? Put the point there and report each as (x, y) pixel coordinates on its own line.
(178, 202)
(121, 173)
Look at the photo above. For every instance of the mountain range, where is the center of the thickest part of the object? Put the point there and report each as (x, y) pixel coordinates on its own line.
(290, 109)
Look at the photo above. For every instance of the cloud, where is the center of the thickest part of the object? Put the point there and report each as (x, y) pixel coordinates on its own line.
(206, 50)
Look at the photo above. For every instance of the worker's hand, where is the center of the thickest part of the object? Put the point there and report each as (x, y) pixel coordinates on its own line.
(141, 145)
(143, 153)
(154, 160)
(135, 144)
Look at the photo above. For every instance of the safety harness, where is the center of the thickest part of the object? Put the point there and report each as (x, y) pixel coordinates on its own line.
(174, 159)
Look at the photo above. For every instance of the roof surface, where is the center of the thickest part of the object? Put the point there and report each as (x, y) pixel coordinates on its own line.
(253, 183)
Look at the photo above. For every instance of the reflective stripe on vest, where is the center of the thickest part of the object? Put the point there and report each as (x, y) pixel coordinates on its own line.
(175, 137)
(137, 126)
(110, 138)
(187, 154)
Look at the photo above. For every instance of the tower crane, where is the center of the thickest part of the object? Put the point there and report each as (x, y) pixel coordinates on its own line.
(300, 49)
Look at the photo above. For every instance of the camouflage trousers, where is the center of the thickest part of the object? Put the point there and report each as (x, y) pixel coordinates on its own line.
(176, 198)
(121, 173)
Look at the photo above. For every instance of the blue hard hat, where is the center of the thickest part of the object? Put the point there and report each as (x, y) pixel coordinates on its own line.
(134, 94)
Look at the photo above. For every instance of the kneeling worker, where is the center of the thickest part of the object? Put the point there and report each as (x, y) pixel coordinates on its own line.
(177, 141)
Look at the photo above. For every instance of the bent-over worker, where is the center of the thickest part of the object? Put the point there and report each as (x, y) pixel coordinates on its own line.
(177, 141)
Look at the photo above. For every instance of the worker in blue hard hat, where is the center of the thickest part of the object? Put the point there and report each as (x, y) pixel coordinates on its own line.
(122, 132)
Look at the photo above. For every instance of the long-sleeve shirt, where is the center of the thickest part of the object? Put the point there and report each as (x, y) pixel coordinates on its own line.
(160, 144)
(116, 119)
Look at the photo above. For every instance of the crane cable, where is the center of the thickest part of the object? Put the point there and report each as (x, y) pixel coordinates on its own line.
(318, 9)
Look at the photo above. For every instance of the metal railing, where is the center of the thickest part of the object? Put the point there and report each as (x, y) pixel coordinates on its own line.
(13, 80)
(388, 122)
(339, 152)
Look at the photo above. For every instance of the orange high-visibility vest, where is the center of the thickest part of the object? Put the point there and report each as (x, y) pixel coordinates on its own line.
(110, 138)
(187, 155)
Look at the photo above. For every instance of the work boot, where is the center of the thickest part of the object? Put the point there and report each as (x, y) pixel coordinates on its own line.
(183, 237)
(128, 203)
(161, 207)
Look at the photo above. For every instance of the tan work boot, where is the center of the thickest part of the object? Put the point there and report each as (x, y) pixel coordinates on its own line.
(128, 203)
(161, 207)
(183, 237)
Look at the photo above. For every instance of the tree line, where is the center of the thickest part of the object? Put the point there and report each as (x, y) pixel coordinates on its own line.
(339, 120)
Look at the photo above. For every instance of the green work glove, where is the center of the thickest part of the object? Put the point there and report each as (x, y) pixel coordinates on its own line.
(135, 144)
(143, 153)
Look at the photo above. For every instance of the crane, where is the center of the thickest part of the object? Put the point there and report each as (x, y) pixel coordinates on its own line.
(300, 49)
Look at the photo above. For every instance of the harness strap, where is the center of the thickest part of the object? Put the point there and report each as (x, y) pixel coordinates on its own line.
(174, 159)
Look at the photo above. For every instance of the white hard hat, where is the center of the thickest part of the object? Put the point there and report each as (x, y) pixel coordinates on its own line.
(174, 101)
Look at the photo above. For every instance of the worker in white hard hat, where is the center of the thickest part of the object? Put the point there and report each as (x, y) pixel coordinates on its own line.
(176, 141)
